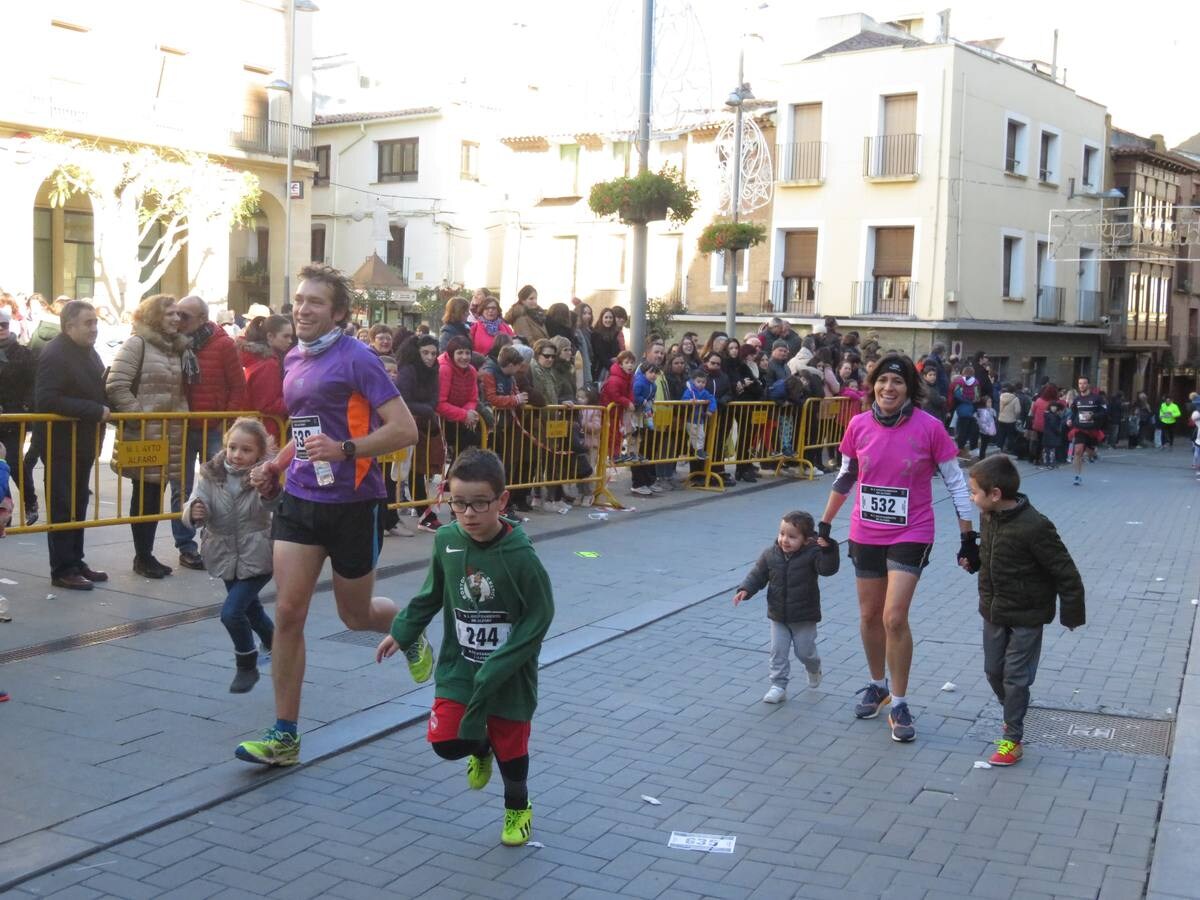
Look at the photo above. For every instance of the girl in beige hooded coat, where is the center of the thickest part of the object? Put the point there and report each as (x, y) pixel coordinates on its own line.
(236, 540)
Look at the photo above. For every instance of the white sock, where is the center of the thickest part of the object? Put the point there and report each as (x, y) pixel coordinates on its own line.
(880, 683)
(897, 700)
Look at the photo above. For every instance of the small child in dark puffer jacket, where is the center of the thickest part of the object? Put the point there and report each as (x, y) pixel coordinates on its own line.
(789, 569)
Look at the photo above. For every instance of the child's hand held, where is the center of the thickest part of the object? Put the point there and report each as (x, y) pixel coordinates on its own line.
(739, 597)
(387, 647)
(199, 512)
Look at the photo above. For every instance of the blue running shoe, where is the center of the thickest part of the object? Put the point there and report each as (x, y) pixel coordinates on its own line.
(874, 697)
(901, 721)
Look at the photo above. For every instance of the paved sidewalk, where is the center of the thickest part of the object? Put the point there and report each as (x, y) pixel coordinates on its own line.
(821, 805)
(135, 731)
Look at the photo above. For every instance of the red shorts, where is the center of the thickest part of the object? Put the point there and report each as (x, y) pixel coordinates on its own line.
(509, 739)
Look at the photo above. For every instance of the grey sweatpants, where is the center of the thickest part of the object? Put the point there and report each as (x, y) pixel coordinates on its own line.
(1010, 661)
(786, 637)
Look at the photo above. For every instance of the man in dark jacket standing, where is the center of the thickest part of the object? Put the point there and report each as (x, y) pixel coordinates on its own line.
(219, 386)
(70, 382)
(17, 368)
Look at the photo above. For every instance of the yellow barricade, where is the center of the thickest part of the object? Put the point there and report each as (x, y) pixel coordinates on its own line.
(147, 447)
(822, 425)
(414, 474)
(750, 432)
(543, 446)
(672, 433)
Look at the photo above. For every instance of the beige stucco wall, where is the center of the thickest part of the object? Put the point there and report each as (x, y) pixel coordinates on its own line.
(108, 85)
(961, 198)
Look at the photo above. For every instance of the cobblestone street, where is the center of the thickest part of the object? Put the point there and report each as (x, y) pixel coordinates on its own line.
(821, 805)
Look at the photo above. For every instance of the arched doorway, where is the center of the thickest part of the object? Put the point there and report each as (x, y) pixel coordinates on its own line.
(256, 257)
(64, 239)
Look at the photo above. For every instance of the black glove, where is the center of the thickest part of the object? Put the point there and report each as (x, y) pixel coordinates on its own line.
(968, 551)
(823, 530)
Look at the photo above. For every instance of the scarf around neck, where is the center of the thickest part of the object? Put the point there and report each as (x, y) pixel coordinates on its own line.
(895, 418)
(492, 326)
(321, 344)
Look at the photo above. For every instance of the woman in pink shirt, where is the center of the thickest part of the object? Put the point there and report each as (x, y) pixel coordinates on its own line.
(489, 324)
(892, 452)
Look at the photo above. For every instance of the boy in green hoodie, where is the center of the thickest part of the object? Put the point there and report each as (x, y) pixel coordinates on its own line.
(496, 607)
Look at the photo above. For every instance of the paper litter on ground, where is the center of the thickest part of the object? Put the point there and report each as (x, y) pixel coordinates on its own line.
(538, 844)
(587, 554)
(980, 764)
(949, 686)
(705, 843)
(7, 581)
(653, 801)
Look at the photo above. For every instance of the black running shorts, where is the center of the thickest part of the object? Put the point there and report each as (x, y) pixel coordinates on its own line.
(876, 560)
(349, 532)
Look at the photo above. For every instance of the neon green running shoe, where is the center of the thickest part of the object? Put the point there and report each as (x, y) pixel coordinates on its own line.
(277, 748)
(420, 659)
(479, 771)
(518, 825)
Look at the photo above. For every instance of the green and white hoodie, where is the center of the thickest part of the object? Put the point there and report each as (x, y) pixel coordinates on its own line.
(496, 608)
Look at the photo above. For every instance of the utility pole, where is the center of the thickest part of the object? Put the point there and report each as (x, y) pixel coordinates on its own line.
(637, 285)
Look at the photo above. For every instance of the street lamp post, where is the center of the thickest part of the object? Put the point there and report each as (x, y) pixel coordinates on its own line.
(289, 87)
(737, 100)
(637, 285)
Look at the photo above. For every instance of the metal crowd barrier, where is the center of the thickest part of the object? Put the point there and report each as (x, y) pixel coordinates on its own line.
(142, 452)
(823, 423)
(762, 432)
(540, 446)
(413, 474)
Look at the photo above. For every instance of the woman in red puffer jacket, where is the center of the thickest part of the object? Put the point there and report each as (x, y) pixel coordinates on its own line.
(458, 397)
(266, 341)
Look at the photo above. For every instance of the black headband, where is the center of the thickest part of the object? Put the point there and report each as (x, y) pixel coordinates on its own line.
(895, 367)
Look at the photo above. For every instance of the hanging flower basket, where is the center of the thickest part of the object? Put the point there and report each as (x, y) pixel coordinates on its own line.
(645, 197)
(721, 236)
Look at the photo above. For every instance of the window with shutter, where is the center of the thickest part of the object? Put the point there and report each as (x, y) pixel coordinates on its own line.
(800, 254)
(893, 252)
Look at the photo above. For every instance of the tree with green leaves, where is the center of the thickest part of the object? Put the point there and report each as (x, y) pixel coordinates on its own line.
(146, 202)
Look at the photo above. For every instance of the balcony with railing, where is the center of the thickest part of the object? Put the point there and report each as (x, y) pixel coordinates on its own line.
(797, 296)
(884, 296)
(268, 136)
(800, 164)
(1049, 309)
(1088, 312)
(892, 157)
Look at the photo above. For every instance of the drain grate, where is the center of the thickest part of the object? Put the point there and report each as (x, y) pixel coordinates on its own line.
(1071, 729)
(357, 638)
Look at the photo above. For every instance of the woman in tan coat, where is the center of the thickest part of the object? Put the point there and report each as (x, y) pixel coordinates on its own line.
(148, 376)
(528, 320)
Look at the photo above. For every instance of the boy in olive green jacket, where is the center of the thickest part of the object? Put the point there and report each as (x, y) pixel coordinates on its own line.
(1025, 571)
(496, 607)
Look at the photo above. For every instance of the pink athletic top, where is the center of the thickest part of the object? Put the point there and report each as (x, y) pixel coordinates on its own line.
(893, 495)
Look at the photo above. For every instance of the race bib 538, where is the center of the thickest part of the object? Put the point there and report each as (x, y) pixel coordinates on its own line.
(303, 427)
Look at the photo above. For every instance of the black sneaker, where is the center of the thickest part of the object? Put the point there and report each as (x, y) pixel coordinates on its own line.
(901, 722)
(873, 698)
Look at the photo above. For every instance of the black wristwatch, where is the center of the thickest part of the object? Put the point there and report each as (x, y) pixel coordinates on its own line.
(349, 449)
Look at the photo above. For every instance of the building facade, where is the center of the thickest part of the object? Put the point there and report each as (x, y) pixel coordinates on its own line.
(421, 187)
(916, 185)
(558, 244)
(173, 79)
